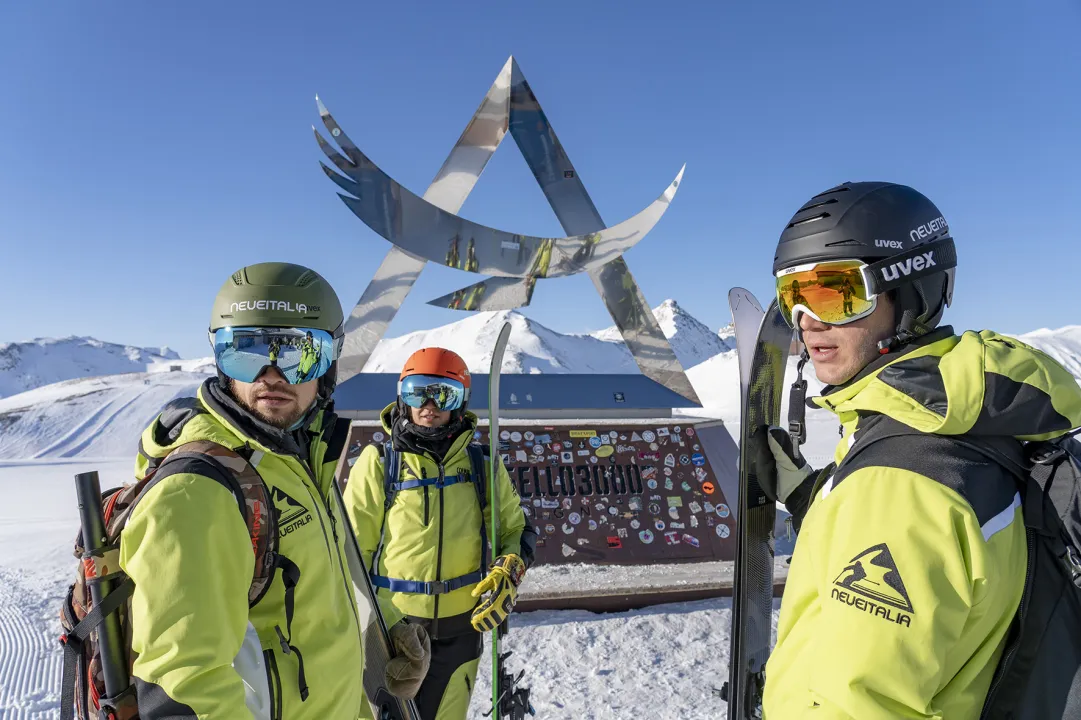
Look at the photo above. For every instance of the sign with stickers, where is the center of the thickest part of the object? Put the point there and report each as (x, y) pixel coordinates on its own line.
(593, 493)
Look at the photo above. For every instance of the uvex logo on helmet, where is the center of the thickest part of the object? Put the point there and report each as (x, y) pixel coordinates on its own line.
(895, 244)
(909, 266)
(278, 305)
(928, 229)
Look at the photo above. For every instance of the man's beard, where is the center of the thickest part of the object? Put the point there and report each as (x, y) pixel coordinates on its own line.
(282, 422)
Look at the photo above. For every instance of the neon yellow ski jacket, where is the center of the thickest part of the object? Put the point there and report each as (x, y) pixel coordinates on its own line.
(187, 548)
(911, 560)
(430, 534)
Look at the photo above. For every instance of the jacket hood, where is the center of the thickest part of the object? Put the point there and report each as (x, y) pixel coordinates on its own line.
(978, 383)
(215, 416)
(389, 416)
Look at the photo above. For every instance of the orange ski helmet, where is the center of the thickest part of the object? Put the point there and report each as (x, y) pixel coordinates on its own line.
(439, 362)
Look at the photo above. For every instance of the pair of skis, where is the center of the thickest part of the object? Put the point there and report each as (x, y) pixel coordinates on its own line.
(763, 340)
(508, 700)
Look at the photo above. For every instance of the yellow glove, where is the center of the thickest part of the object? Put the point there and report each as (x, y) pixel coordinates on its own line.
(502, 588)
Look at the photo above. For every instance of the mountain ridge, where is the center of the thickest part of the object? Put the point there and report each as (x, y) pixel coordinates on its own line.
(30, 364)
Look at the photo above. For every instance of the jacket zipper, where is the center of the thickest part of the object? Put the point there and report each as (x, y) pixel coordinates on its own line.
(273, 684)
(427, 517)
(438, 556)
(1004, 663)
(337, 549)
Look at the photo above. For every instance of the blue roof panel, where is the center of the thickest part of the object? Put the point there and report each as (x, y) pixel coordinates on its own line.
(372, 392)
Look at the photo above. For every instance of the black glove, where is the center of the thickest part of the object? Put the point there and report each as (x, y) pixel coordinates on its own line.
(783, 474)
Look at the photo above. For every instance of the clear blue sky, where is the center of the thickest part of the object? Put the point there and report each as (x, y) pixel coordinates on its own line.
(147, 150)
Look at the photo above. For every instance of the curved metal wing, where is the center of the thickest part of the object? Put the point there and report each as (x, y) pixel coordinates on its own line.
(499, 293)
(425, 230)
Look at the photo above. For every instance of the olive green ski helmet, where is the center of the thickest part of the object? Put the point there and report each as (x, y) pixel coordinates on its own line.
(277, 294)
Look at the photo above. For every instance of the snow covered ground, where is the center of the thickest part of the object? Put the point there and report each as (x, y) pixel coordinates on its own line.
(661, 662)
(39, 519)
(89, 417)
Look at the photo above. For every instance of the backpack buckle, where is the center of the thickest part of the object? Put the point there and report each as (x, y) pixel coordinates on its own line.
(798, 431)
(1073, 563)
(1048, 455)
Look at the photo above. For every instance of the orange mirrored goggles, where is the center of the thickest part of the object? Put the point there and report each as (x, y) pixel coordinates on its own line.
(833, 292)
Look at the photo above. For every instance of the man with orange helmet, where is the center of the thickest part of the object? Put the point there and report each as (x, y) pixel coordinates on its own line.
(418, 503)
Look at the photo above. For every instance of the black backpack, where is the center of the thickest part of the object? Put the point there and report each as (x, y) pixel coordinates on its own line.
(1039, 674)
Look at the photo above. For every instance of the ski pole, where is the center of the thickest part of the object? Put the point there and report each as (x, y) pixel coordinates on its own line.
(114, 669)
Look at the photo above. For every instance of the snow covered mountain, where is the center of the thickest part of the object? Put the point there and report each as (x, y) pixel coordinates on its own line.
(102, 416)
(534, 348)
(28, 365)
(691, 340)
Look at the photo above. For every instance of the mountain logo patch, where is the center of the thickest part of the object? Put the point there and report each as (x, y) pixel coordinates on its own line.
(291, 514)
(871, 582)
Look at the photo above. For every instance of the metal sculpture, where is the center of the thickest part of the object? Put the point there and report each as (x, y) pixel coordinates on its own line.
(423, 229)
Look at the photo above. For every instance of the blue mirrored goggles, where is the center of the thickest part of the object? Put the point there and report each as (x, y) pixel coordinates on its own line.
(447, 394)
(299, 354)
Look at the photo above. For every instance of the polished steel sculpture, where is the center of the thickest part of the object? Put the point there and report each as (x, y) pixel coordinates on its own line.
(427, 228)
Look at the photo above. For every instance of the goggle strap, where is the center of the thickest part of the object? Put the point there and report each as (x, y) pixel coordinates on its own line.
(797, 408)
(901, 269)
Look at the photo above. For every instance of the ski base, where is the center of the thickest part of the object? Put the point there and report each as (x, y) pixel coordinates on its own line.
(763, 357)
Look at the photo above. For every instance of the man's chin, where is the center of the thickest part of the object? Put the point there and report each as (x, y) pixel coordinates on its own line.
(832, 375)
(279, 417)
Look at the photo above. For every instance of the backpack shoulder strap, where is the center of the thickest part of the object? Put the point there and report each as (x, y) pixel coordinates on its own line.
(978, 469)
(479, 466)
(236, 473)
(392, 465)
(478, 471)
(1059, 490)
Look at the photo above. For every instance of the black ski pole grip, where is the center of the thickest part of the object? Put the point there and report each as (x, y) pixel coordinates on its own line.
(114, 667)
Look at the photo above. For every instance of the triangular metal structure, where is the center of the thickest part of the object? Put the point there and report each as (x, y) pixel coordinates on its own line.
(509, 105)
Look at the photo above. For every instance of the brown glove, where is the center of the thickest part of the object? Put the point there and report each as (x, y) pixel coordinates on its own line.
(413, 654)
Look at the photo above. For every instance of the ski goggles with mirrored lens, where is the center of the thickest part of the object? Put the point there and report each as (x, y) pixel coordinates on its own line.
(837, 292)
(832, 292)
(447, 394)
(300, 354)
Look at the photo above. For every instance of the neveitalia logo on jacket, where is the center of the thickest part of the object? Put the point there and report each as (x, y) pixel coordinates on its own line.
(872, 583)
(291, 514)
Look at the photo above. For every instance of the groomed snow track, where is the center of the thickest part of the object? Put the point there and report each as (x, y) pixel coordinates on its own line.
(30, 663)
(84, 433)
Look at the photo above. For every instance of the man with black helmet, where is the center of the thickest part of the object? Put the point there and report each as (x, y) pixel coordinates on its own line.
(186, 544)
(419, 506)
(911, 559)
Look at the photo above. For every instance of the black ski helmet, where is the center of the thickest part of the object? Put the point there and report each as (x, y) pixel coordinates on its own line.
(872, 221)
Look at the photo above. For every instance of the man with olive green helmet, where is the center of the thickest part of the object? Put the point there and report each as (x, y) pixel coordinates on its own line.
(190, 551)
